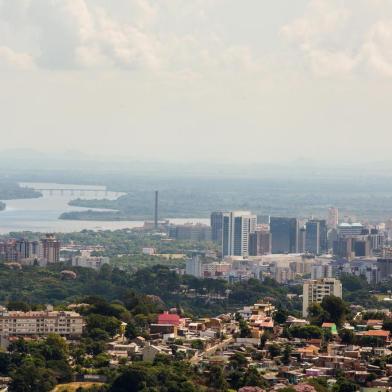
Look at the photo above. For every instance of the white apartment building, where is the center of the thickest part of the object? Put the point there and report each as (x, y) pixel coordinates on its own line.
(88, 261)
(237, 225)
(315, 290)
(40, 323)
(194, 266)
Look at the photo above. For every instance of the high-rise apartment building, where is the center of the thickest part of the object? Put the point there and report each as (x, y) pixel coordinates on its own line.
(284, 233)
(316, 236)
(237, 225)
(260, 243)
(22, 249)
(216, 226)
(333, 217)
(50, 249)
(315, 290)
(194, 266)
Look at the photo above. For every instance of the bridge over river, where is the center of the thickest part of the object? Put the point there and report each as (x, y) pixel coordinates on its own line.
(96, 192)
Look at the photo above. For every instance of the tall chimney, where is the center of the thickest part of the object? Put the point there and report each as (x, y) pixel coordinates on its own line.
(156, 210)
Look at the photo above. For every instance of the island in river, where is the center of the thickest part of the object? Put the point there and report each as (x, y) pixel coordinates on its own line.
(91, 215)
(10, 190)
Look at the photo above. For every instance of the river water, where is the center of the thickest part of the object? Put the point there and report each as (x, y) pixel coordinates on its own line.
(42, 214)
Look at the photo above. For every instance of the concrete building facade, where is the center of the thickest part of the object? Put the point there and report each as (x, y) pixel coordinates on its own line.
(315, 290)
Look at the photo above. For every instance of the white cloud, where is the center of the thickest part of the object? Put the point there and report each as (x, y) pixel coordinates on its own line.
(377, 49)
(11, 59)
(317, 35)
(83, 34)
(322, 18)
(343, 37)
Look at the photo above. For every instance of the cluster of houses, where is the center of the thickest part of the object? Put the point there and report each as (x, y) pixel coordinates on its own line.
(365, 359)
(216, 340)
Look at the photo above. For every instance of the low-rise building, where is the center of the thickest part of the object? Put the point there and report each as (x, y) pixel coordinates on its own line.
(40, 323)
(87, 261)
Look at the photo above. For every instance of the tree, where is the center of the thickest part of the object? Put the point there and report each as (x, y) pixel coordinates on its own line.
(274, 350)
(347, 336)
(335, 309)
(109, 324)
(306, 332)
(280, 316)
(132, 331)
(61, 369)
(344, 385)
(387, 325)
(252, 378)
(217, 378)
(319, 383)
(286, 354)
(316, 314)
(29, 378)
(101, 360)
(263, 340)
(134, 379)
(5, 362)
(371, 341)
(197, 344)
(238, 361)
(54, 347)
(245, 331)
(18, 305)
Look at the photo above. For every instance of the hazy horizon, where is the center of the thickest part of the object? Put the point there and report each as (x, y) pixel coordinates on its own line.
(203, 81)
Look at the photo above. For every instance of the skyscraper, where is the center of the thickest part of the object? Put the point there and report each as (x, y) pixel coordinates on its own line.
(237, 225)
(333, 217)
(316, 236)
(301, 239)
(284, 233)
(259, 243)
(216, 226)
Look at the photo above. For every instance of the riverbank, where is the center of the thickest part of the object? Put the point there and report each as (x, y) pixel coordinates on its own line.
(10, 190)
(91, 215)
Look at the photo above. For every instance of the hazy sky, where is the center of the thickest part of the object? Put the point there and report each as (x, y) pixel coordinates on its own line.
(222, 80)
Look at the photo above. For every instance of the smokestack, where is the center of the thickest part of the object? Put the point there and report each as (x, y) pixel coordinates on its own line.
(156, 210)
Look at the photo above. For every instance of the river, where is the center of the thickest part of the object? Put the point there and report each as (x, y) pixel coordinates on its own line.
(41, 214)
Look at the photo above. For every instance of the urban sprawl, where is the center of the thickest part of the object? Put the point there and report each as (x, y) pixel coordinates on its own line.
(328, 343)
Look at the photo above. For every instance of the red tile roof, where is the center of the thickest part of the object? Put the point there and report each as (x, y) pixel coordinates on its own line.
(377, 332)
(166, 318)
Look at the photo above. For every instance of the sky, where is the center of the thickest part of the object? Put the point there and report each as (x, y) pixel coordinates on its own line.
(202, 80)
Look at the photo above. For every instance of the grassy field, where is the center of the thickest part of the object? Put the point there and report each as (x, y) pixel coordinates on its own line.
(73, 386)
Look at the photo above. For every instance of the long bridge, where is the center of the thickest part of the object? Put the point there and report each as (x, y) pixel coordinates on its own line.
(77, 191)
